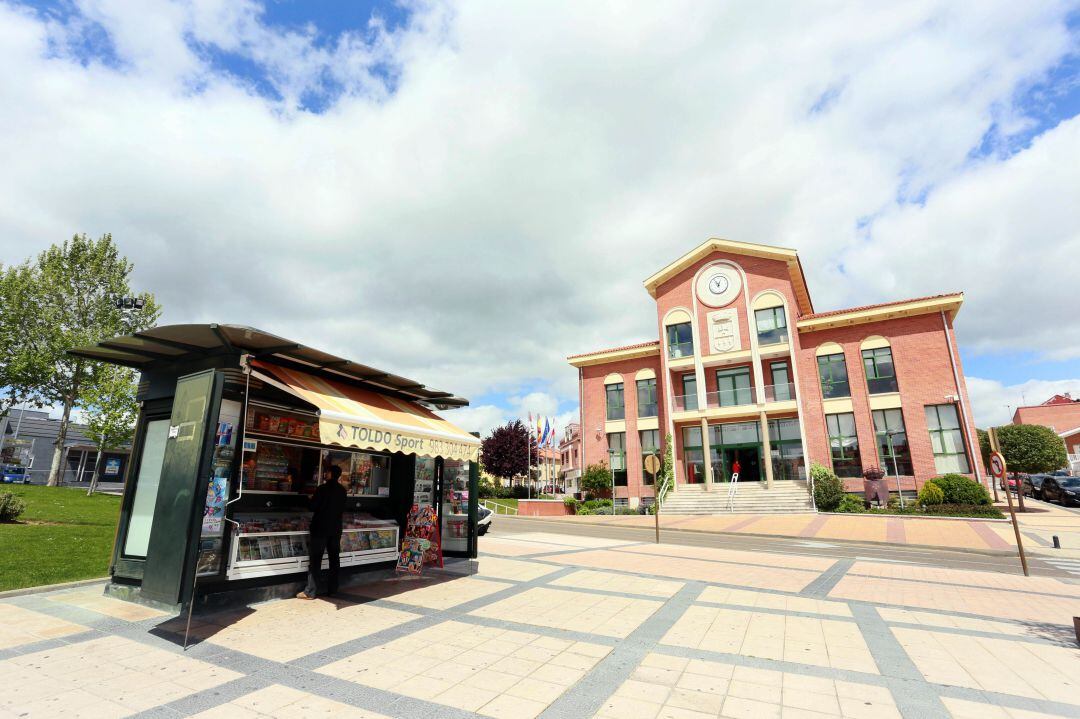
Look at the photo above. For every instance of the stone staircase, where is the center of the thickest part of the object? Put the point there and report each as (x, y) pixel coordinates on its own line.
(786, 497)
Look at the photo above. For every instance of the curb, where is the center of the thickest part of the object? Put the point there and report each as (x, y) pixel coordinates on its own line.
(987, 552)
(52, 587)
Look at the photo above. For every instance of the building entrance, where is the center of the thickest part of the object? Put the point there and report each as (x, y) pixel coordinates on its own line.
(749, 459)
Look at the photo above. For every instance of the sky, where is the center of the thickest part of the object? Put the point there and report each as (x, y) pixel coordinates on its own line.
(467, 192)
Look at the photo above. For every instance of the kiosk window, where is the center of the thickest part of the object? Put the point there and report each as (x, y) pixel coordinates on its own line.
(146, 488)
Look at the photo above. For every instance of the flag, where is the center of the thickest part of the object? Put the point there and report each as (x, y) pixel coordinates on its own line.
(528, 427)
(539, 429)
(547, 432)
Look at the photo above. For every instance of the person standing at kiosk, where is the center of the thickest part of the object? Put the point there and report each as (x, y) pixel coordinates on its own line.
(328, 506)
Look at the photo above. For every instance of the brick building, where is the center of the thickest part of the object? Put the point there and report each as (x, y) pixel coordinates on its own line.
(1060, 413)
(746, 375)
(570, 458)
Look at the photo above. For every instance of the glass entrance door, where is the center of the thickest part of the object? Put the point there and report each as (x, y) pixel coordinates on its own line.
(747, 459)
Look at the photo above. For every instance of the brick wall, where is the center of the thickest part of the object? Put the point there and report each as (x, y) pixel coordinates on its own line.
(594, 418)
(1061, 417)
(924, 377)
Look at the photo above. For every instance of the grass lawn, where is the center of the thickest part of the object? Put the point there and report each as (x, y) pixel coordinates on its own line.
(62, 536)
(511, 503)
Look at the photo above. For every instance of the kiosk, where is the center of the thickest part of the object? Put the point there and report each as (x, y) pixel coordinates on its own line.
(235, 430)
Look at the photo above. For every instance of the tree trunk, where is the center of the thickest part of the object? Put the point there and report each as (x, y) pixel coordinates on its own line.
(97, 471)
(59, 455)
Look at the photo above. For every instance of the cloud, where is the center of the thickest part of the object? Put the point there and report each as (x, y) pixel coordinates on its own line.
(487, 184)
(993, 403)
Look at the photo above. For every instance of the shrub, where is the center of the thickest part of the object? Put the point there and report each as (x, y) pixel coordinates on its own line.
(931, 494)
(595, 506)
(596, 481)
(851, 503)
(10, 507)
(828, 489)
(519, 492)
(570, 503)
(958, 489)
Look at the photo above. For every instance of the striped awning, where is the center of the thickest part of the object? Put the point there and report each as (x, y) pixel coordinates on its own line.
(353, 417)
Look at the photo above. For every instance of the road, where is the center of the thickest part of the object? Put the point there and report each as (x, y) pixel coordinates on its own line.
(1004, 563)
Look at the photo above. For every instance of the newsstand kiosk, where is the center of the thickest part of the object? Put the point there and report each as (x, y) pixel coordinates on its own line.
(235, 430)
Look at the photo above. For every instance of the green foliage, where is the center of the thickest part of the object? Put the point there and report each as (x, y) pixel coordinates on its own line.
(596, 481)
(984, 446)
(10, 507)
(22, 369)
(931, 494)
(594, 506)
(570, 503)
(1031, 448)
(958, 489)
(828, 489)
(111, 411)
(851, 503)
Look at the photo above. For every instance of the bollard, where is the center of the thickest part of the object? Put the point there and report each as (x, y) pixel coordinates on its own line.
(1057, 542)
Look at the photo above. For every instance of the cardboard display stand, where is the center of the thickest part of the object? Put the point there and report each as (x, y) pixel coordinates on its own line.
(421, 544)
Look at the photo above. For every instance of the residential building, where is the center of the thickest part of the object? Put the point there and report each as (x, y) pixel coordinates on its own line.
(1060, 413)
(570, 458)
(746, 375)
(29, 439)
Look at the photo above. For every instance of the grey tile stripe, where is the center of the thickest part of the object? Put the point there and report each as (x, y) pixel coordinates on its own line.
(828, 579)
(1037, 539)
(773, 610)
(587, 696)
(1056, 636)
(1012, 701)
(778, 665)
(913, 695)
(47, 644)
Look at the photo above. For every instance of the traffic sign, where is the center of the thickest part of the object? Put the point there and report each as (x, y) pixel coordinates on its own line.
(652, 464)
(997, 465)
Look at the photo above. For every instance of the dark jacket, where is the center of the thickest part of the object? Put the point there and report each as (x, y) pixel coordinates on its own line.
(327, 506)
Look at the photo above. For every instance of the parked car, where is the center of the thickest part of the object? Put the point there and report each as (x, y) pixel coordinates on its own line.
(1062, 489)
(1014, 480)
(14, 474)
(1032, 485)
(483, 522)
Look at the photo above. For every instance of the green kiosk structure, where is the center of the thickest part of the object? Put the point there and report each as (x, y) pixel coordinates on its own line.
(236, 429)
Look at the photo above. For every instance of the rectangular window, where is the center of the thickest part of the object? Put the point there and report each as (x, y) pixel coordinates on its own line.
(689, 388)
(834, 379)
(947, 439)
(693, 455)
(844, 444)
(785, 446)
(650, 447)
(733, 387)
(616, 407)
(782, 389)
(771, 326)
(146, 488)
(616, 442)
(680, 340)
(892, 442)
(880, 373)
(646, 398)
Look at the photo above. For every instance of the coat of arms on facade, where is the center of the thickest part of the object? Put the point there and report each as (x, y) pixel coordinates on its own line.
(724, 331)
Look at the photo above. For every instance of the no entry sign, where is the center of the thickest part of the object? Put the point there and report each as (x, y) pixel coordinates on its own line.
(997, 465)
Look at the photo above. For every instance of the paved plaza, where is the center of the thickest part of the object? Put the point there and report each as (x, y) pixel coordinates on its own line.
(555, 625)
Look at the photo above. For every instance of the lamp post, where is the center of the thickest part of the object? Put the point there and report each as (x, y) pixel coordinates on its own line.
(889, 435)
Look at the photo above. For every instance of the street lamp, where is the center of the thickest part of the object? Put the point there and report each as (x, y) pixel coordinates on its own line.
(889, 435)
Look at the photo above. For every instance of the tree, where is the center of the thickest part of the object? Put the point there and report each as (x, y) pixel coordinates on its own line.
(984, 446)
(111, 410)
(75, 288)
(1031, 448)
(596, 480)
(22, 370)
(506, 451)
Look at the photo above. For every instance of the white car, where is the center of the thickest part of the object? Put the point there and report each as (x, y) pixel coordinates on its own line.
(483, 524)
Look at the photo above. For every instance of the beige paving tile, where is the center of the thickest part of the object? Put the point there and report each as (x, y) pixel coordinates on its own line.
(20, 626)
(714, 689)
(804, 640)
(94, 599)
(139, 677)
(561, 609)
(513, 570)
(529, 668)
(429, 592)
(758, 576)
(285, 703)
(589, 579)
(966, 578)
(509, 547)
(1038, 671)
(735, 556)
(286, 630)
(935, 619)
(747, 598)
(1019, 606)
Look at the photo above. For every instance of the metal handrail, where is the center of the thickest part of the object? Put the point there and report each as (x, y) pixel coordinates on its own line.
(662, 492)
(732, 489)
(499, 508)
